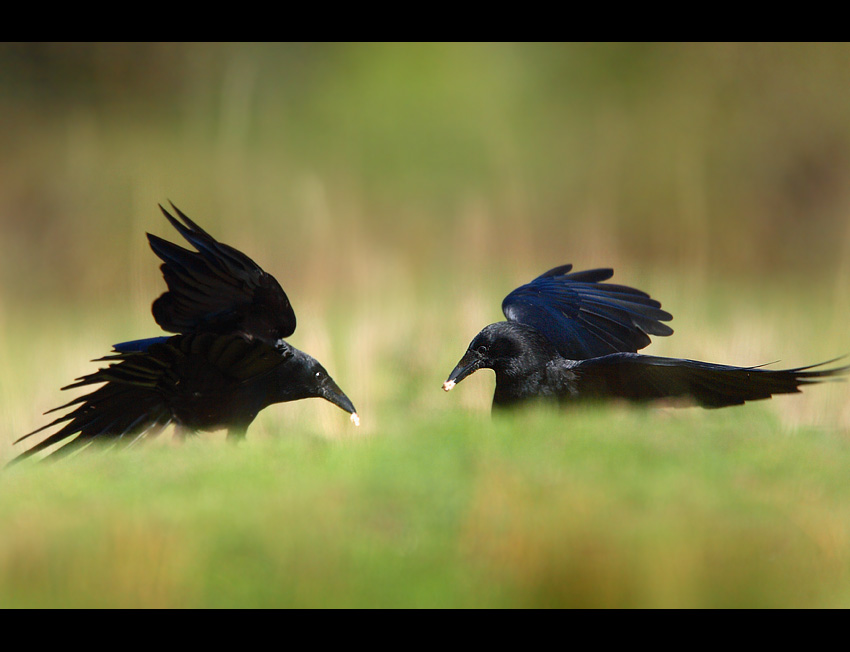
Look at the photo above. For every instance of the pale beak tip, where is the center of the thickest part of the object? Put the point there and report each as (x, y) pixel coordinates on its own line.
(448, 385)
(355, 419)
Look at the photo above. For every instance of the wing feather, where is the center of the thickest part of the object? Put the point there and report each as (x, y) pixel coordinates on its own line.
(585, 317)
(639, 378)
(217, 289)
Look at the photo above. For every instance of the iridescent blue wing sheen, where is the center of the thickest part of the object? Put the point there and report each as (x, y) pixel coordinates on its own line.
(585, 317)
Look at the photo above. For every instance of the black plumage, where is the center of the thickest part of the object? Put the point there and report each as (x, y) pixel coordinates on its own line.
(228, 361)
(571, 337)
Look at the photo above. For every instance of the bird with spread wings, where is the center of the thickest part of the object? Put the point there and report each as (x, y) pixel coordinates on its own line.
(570, 336)
(228, 361)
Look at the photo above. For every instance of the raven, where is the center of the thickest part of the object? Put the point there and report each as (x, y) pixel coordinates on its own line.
(228, 361)
(570, 336)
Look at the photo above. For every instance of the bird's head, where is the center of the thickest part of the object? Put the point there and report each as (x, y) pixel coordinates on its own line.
(313, 380)
(508, 348)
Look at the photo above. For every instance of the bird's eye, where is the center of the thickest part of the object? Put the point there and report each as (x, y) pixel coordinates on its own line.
(318, 374)
(482, 349)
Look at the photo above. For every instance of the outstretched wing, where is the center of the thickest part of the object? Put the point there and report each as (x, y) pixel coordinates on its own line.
(186, 379)
(585, 318)
(128, 407)
(218, 289)
(636, 377)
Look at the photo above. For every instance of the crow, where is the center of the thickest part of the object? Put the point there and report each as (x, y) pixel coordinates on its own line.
(228, 361)
(571, 337)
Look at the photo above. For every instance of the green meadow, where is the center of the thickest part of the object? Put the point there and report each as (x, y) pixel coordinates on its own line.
(398, 193)
(598, 510)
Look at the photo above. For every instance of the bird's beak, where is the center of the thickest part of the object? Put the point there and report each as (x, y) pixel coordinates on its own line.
(468, 363)
(331, 392)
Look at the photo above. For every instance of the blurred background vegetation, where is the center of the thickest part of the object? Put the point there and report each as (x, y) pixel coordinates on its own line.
(413, 185)
(733, 157)
(399, 191)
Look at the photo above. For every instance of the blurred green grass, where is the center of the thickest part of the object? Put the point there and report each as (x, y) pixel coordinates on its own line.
(622, 509)
(398, 192)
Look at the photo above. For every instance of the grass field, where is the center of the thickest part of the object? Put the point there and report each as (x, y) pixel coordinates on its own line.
(399, 192)
(600, 509)
(433, 503)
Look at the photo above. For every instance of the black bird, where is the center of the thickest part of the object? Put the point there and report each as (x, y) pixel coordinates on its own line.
(228, 362)
(571, 337)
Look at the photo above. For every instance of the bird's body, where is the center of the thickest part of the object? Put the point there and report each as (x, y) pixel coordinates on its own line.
(570, 337)
(228, 361)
